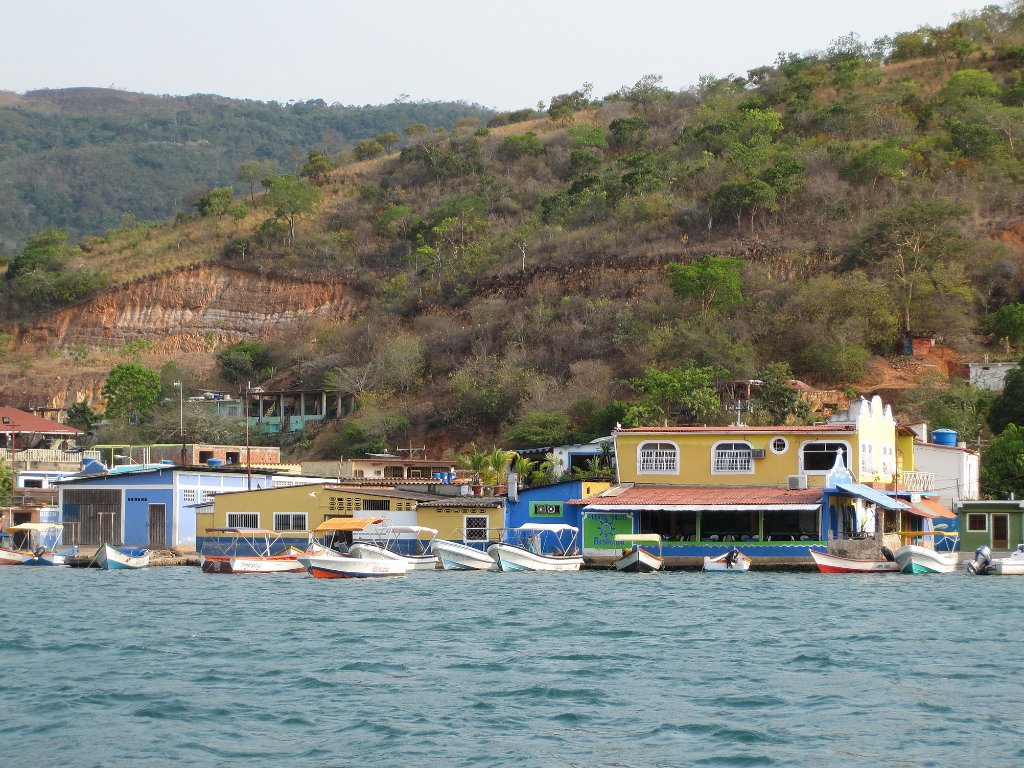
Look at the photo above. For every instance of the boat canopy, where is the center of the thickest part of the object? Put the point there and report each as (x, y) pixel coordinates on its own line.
(654, 538)
(245, 531)
(347, 524)
(41, 527)
(413, 529)
(870, 494)
(553, 527)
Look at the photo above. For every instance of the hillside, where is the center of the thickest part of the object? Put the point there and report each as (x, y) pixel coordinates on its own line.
(80, 158)
(529, 280)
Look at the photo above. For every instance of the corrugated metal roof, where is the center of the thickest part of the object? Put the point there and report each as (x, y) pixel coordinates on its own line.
(688, 498)
(17, 421)
(870, 494)
(734, 430)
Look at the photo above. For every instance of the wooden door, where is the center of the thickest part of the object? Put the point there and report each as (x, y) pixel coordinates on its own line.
(157, 523)
(1000, 531)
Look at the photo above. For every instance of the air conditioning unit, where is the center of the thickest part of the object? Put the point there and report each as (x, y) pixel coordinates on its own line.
(757, 453)
(798, 482)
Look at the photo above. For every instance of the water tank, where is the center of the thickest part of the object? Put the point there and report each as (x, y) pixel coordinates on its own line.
(944, 436)
(214, 462)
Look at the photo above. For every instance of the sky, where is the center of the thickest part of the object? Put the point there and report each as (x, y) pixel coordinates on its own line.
(503, 55)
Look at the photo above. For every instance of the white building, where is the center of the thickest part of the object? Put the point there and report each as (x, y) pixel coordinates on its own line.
(989, 375)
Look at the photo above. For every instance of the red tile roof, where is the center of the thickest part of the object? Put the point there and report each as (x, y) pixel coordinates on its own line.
(13, 420)
(837, 427)
(703, 495)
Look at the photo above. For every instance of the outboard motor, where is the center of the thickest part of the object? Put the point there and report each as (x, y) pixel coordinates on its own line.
(888, 554)
(982, 561)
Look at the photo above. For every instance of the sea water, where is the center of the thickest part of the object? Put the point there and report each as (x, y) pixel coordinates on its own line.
(173, 667)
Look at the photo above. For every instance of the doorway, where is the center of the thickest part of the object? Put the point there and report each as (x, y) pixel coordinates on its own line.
(157, 522)
(1000, 531)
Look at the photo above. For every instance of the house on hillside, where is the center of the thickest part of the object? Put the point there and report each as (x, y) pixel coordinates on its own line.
(707, 489)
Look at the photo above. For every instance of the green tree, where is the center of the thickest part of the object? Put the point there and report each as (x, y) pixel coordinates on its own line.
(1008, 407)
(388, 140)
(47, 251)
(678, 395)
(6, 484)
(645, 93)
(970, 86)
(563, 106)
(132, 391)
(1002, 465)
(526, 145)
(367, 149)
(215, 202)
(540, 429)
(317, 168)
(918, 247)
(777, 398)
(714, 281)
(81, 416)
(1008, 323)
(292, 198)
(947, 404)
(253, 172)
(628, 133)
(245, 361)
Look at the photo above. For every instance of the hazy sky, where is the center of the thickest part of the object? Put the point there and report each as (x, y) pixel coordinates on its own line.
(505, 55)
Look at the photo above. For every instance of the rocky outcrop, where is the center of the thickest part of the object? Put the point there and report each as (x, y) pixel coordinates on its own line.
(194, 310)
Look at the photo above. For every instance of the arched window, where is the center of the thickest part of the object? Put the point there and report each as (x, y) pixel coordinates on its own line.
(820, 455)
(734, 458)
(658, 458)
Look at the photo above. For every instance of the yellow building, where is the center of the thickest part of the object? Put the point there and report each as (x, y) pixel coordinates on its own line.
(294, 511)
(463, 518)
(795, 456)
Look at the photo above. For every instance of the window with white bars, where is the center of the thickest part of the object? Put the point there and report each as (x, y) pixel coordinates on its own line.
(188, 496)
(658, 458)
(734, 458)
(289, 521)
(243, 519)
(376, 505)
(208, 496)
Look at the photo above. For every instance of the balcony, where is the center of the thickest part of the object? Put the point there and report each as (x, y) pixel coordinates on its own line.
(46, 459)
(915, 482)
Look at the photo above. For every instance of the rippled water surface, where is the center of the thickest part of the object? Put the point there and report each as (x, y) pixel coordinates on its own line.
(170, 666)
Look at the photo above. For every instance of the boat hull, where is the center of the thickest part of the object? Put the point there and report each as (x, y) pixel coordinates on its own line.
(835, 564)
(1007, 566)
(114, 559)
(462, 557)
(227, 564)
(916, 559)
(342, 567)
(13, 556)
(719, 565)
(639, 561)
(512, 558)
(373, 552)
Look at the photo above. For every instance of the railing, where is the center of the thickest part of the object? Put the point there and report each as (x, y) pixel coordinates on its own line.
(916, 481)
(46, 456)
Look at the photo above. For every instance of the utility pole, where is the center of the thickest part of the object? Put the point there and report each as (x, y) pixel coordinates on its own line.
(248, 455)
(181, 417)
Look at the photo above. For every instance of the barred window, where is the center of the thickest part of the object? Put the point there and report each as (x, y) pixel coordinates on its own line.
(243, 519)
(289, 521)
(376, 505)
(733, 457)
(658, 458)
(476, 528)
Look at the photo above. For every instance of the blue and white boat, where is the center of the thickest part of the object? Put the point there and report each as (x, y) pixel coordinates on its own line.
(524, 551)
(44, 539)
(122, 558)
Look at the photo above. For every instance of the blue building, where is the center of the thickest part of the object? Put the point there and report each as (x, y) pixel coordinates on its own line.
(153, 505)
(550, 504)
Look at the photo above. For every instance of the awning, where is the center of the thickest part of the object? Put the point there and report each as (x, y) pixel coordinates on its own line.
(38, 527)
(931, 510)
(347, 524)
(870, 494)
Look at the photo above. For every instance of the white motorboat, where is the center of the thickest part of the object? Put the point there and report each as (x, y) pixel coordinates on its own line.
(454, 556)
(335, 566)
(636, 559)
(835, 564)
(732, 561)
(913, 558)
(43, 539)
(984, 564)
(390, 548)
(525, 551)
(121, 558)
(250, 550)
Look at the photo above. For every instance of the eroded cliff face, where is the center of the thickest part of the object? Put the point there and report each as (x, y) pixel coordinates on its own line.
(195, 310)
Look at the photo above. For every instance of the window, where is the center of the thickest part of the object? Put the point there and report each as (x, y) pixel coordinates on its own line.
(658, 458)
(189, 496)
(779, 445)
(208, 495)
(243, 519)
(476, 528)
(732, 457)
(376, 505)
(821, 456)
(976, 522)
(289, 521)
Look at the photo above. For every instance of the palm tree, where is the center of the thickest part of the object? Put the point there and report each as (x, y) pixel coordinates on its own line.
(475, 461)
(523, 468)
(497, 466)
(546, 472)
